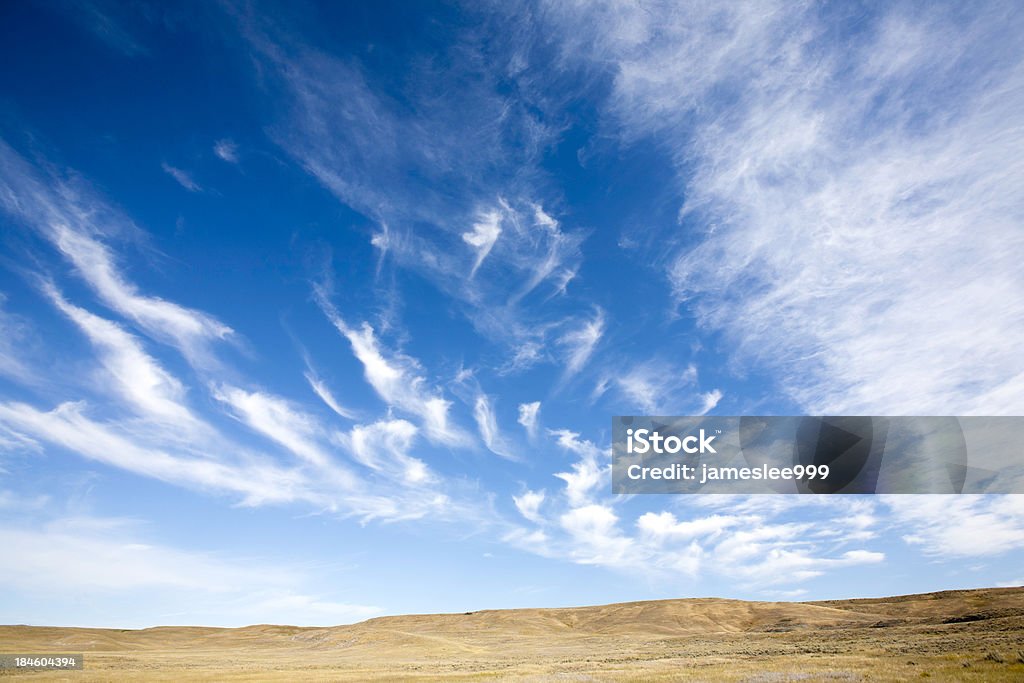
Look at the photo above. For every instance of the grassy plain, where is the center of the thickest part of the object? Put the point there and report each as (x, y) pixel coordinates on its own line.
(973, 635)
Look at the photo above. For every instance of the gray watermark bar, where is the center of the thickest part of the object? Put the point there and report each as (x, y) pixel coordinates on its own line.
(817, 454)
(41, 662)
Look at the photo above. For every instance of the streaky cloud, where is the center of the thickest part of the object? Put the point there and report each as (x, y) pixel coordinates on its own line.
(147, 386)
(183, 178)
(396, 378)
(321, 390)
(75, 221)
(482, 237)
(580, 343)
(286, 425)
(487, 423)
(67, 426)
(829, 188)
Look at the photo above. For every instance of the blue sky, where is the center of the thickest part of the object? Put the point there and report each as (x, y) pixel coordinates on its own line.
(311, 313)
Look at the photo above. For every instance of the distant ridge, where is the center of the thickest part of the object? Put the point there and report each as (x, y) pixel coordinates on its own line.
(682, 616)
(651, 639)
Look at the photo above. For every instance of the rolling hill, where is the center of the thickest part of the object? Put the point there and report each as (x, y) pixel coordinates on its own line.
(974, 633)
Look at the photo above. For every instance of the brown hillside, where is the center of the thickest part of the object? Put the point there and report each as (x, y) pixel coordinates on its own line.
(884, 638)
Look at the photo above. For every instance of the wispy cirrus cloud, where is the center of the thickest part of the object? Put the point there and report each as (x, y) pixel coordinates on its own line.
(487, 424)
(396, 378)
(259, 481)
(485, 233)
(655, 387)
(148, 430)
(190, 330)
(138, 377)
(486, 241)
(350, 134)
(580, 343)
(285, 424)
(321, 389)
(75, 221)
(226, 150)
(182, 177)
(709, 401)
(953, 527)
(829, 186)
(136, 417)
(109, 22)
(534, 254)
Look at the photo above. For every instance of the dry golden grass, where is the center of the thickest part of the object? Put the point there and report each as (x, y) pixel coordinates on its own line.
(955, 635)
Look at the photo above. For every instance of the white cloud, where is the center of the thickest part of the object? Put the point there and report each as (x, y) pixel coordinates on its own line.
(396, 379)
(529, 504)
(547, 253)
(709, 400)
(664, 525)
(960, 526)
(783, 565)
(528, 413)
(581, 342)
(286, 425)
(384, 447)
(831, 185)
(654, 387)
(525, 354)
(750, 539)
(757, 552)
(182, 177)
(321, 390)
(587, 473)
(66, 426)
(223, 467)
(563, 278)
(527, 255)
(596, 538)
(535, 541)
(161, 438)
(147, 387)
(226, 150)
(190, 330)
(76, 221)
(485, 233)
(487, 423)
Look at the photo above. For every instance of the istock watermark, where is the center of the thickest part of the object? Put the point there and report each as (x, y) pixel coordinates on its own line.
(817, 454)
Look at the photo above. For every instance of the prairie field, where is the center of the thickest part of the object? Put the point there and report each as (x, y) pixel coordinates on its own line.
(969, 635)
